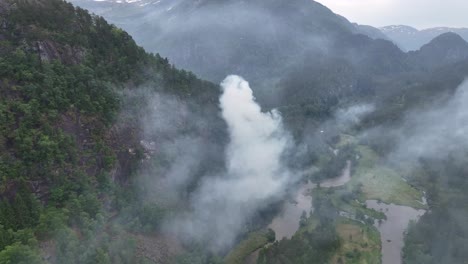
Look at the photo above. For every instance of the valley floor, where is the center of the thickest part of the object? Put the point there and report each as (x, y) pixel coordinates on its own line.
(357, 224)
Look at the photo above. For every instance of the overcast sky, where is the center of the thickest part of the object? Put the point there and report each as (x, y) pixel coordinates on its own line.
(417, 13)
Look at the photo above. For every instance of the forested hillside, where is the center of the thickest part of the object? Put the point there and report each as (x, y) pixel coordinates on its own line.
(67, 151)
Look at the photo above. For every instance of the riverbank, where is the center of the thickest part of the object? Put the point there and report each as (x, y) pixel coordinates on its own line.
(370, 199)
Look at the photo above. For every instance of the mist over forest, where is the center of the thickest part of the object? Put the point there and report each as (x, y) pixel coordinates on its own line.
(269, 132)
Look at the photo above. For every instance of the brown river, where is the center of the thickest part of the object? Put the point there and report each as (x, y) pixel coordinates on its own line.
(287, 222)
(391, 230)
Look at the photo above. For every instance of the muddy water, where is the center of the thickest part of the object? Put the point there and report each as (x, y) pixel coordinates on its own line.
(392, 230)
(287, 222)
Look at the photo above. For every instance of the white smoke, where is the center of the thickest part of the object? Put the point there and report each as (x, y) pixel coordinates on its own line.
(353, 115)
(257, 141)
(255, 175)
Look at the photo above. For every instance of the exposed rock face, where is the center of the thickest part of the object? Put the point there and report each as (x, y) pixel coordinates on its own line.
(4, 7)
(157, 249)
(4, 10)
(49, 51)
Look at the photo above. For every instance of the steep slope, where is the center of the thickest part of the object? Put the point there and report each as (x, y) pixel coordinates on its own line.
(255, 39)
(409, 38)
(276, 45)
(69, 143)
(445, 49)
(371, 31)
(298, 55)
(260, 40)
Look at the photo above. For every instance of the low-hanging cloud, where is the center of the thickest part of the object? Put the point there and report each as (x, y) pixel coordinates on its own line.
(353, 115)
(435, 132)
(431, 131)
(255, 175)
(180, 145)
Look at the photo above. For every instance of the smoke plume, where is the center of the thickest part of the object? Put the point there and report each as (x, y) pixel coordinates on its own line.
(254, 177)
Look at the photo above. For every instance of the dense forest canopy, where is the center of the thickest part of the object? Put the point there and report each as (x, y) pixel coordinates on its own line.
(65, 163)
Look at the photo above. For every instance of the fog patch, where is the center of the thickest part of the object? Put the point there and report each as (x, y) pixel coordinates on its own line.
(352, 116)
(434, 132)
(179, 148)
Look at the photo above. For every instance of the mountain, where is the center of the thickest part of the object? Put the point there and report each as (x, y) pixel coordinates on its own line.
(263, 41)
(271, 41)
(73, 92)
(249, 37)
(445, 49)
(408, 38)
(296, 54)
(370, 31)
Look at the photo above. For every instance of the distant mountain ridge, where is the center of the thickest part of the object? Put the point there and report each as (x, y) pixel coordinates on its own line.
(409, 38)
(371, 31)
(300, 49)
(445, 49)
(269, 37)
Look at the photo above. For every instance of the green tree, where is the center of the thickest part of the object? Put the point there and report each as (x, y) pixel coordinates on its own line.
(19, 254)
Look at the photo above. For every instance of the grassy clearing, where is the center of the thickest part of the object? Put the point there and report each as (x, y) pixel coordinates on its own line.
(385, 185)
(353, 207)
(360, 243)
(368, 158)
(254, 241)
(377, 182)
(345, 140)
(382, 183)
(371, 181)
